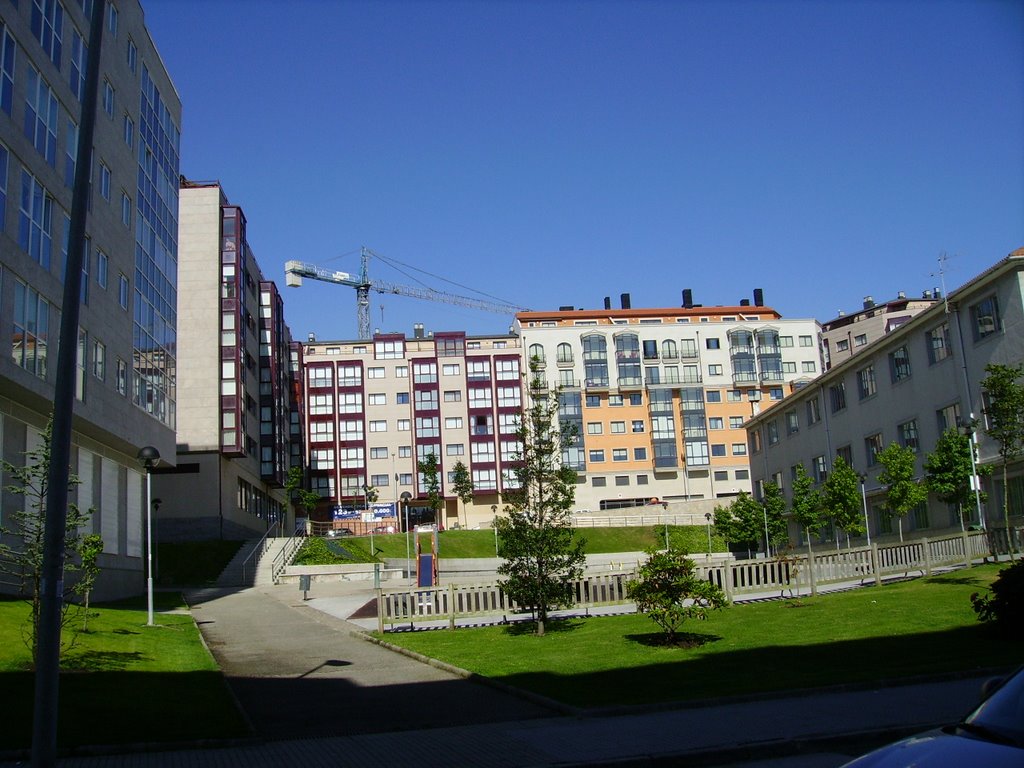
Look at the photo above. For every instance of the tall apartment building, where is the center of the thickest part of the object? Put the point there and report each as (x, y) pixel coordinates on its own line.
(377, 407)
(125, 392)
(239, 427)
(846, 335)
(660, 397)
(908, 387)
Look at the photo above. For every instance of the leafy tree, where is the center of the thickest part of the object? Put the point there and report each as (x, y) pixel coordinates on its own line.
(1004, 604)
(948, 470)
(669, 591)
(430, 469)
(741, 522)
(806, 506)
(1005, 416)
(903, 492)
(841, 499)
(541, 557)
(775, 507)
(89, 552)
(293, 485)
(462, 487)
(25, 562)
(371, 494)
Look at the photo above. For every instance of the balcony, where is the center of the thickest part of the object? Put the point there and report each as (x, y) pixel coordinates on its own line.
(745, 378)
(630, 382)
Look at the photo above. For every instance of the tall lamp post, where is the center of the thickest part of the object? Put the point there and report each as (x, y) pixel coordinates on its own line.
(707, 516)
(975, 480)
(406, 496)
(149, 457)
(864, 500)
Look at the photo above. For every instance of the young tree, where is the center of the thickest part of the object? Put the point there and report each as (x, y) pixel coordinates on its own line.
(806, 505)
(741, 522)
(430, 469)
(775, 509)
(541, 557)
(1004, 412)
(903, 492)
(669, 591)
(294, 488)
(462, 487)
(948, 470)
(25, 562)
(89, 552)
(841, 499)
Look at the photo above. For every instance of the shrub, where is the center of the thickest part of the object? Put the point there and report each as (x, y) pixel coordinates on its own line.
(669, 591)
(1004, 604)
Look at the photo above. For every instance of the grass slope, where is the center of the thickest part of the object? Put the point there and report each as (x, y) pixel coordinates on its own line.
(122, 682)
(872, 634)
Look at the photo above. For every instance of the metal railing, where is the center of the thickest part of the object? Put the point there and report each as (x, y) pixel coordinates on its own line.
(257, 553)
(284, 558)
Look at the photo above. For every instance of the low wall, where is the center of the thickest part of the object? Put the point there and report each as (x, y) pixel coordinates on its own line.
(328, 573)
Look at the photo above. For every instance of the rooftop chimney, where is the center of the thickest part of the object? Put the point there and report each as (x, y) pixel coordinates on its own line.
(901, 295)
(926, 295)
(936, 293)
(744, 302)
(624, 299)
(758, 297)
(868, 302)
(568, 308)
(417, 331)
(607, 302)
(312, 338)
(687, 298)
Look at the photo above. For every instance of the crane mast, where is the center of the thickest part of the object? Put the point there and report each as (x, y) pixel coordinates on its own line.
(296, 270)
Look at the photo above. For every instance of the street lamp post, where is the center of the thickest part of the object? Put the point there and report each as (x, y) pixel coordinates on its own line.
(150, 458)
(707, 516)
(864, 500)
(406, 496)
(975, 481)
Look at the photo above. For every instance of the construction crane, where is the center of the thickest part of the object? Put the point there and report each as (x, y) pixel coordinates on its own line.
(296, 270)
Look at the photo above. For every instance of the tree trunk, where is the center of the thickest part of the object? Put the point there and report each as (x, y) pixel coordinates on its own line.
(900, 521)
(1006, 514)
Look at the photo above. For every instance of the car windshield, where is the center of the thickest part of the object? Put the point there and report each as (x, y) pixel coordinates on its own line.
(1003, 712)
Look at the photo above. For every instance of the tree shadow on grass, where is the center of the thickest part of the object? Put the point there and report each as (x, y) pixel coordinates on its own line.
(101, 661)
(971, 581)
(551, 626)
(682, 640)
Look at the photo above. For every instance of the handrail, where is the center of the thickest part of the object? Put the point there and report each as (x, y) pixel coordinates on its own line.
(261, 547)
(284, 557)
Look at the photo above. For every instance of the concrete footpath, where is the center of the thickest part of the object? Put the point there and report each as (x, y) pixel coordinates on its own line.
(318, 695)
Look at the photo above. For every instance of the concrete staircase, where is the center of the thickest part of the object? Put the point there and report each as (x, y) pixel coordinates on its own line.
(252, 564)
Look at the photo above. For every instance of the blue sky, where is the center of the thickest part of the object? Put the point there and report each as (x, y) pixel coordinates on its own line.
(554, 153)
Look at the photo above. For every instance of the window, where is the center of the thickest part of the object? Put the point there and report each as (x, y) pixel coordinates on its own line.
(105, 181)
(507, 370)
(133, 56)
(31, 329)
(402, 372)
(713, 395)
(637, 425)
(806, 341)
(83, 348)
(792, 422)
(482, 452)
(688, 348)
(860, 339)
(351, 429)
(404, 451)
(126, 209)
(428, 426)
(478, 369)
(121, 382)
(480, 398)
(108, 99)
(938, 344)
(47, 27)
(716, 422)
(388, 350)
(808, 366)
(773, 432)
(866, 385)
(425, 399)
(842, 345)
(908, 435)
(350, 402)
(41, 115)
(508, 423)
(7, 49)
(596, 456)
(112, 20)
(455, 449)
(735, 422)
(639, 454)
(734, 395)
(35, 224)
(593, 401)
(537, 353)
(819, 469)
(785, 341)
(451, 369)
(718, 449)
(320, 404)
(320, 376)
(76, 72)
(739, 449)
(453, 396)
(485, 479)
(714, 370)
(712, 343)
(508, 397)
(813, 411)
(837, 396)
(102, 267)
(453, 422)
(872, 447)
(948, 417)
(378, 453)
(635, 398)
(424, 373)
(594, 428)
(618, 428)
(70, 152)
(899, 364)
(985, 318)
(378, 398)
(375, 373)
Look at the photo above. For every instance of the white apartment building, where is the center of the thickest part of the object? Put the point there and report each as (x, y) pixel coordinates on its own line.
(375, 408)
(660, 398)
(908, 387)
(126, 378)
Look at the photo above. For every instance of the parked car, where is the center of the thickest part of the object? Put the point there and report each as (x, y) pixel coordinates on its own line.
(991, 736)
(335, 532)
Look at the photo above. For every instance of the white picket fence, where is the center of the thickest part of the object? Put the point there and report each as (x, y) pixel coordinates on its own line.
(406, 606)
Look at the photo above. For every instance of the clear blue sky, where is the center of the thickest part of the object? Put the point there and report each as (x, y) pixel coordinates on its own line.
(554, 153)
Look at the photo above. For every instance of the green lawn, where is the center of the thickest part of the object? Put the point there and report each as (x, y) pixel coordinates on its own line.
(872, 634)
(123, 682)
(466, 544)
